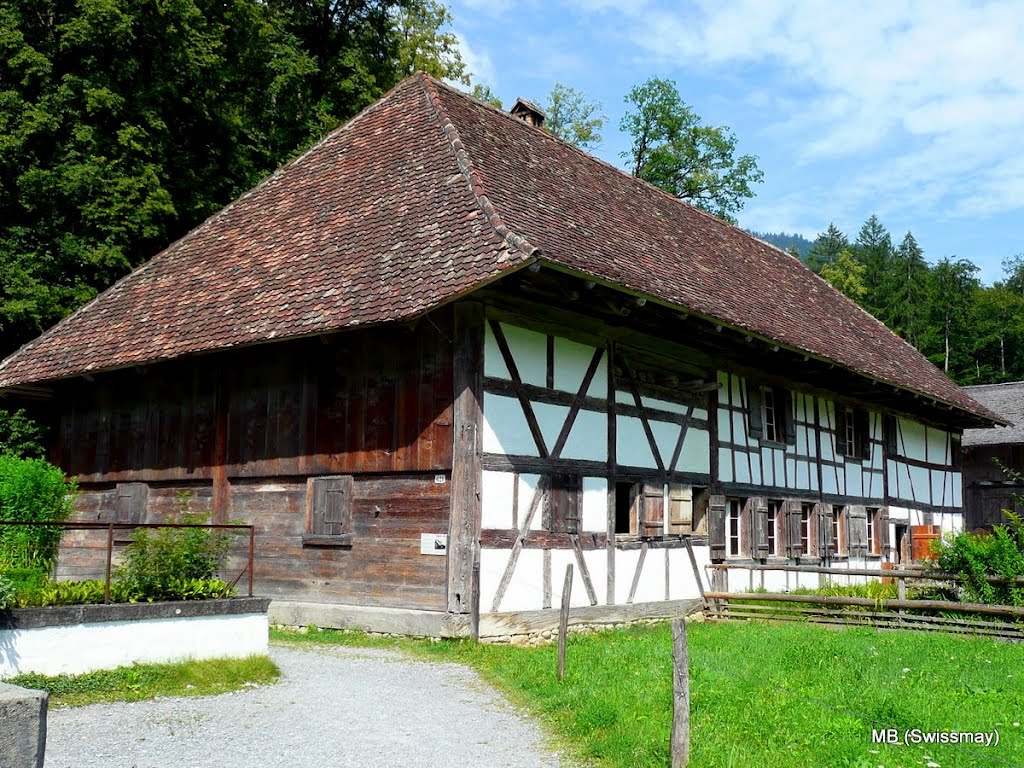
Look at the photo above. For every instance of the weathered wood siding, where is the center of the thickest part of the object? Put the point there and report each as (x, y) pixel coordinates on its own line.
(375, 404)
(987, 489)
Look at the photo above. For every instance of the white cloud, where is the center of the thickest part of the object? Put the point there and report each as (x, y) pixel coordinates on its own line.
(926, 97)
(478, 63)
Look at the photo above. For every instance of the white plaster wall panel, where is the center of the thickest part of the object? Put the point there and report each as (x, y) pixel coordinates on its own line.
(723, 425)
(651, 587)
(497, 489)
(900, 514)
(829, 480)
(893, 472)
(663, 405)
(588, 438)
(854, 479)
(791, 472)
(625, 565)
(742, 468)
(938, 497)
(594, 512)
(803, 479)
(782, 479)
(913, 439)
(527, 487)
(666, 435)
(937, 444)
(958, 485)
(872, 485)
(922, 485)
(494, 362)
(753, 461)
(571, 363)
(768, 463)
(739, 429)
(725, 465)
(505, 427)
(550, 419)
(906, 482)
(631, 446)
(625, 397)
(80, 648)
(696, 453)
(813, 472)
(530, 352)
(700, 413)
(526, 588)
(775, 581)
(596, 561)
(492, 565)
(682, 583)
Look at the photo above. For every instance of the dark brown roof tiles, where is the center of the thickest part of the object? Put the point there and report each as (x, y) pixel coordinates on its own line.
(425, 196)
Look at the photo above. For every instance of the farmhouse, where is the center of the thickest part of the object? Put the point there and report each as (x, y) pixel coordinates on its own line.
(988, 490)
(443, 354)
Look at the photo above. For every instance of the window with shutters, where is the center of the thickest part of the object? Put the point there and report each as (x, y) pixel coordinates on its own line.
(874, 531)
(853, 433)
(838, 531)
(562, 504)
(806, 533)
(770, 415)
(680, 509)
(328, 511)
(734, 522)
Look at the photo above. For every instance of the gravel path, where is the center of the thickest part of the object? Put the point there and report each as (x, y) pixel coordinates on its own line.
(333, 707)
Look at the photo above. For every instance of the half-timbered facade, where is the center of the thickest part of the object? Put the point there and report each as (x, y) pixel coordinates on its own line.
(443, 355)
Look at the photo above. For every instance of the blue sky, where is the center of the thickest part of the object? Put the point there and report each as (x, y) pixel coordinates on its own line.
(910, 110)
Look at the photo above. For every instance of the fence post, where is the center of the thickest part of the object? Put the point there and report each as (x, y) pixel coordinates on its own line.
(680, 695)
(252, 548)
(563, 620)
(110, 556)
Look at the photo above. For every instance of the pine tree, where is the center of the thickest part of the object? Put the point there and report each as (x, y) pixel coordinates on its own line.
(827, 246)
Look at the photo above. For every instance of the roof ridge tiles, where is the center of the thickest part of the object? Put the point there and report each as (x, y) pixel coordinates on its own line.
(465, 163)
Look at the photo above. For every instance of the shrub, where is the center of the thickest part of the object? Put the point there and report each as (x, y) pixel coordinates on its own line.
(7, 592)
(32, 490)
(20, 436)
(974, 556)
(160, 564)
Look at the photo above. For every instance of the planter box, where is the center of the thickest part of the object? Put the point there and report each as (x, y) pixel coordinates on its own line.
(76, 639)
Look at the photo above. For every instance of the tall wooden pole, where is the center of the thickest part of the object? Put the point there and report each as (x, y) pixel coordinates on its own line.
(563, 620)
(680, 696)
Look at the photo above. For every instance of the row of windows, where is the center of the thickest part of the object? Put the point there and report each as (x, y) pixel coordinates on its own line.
(794, 529)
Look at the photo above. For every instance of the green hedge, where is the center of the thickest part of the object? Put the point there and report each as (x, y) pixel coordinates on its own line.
(32, 490)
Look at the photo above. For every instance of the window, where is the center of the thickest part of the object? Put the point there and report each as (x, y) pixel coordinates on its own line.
(625, 498)
(734, 528)
(771, 430)
(774, 513)
(562, 504)
(876, 530)
(837, 528)
(328, 511)
(640, 508)
(770, 414)
(806, 513)
(680, 509)
(853, 428)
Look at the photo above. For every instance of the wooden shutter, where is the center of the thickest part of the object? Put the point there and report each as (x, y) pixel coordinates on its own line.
(130, 501)
(784, 405)
(680, 508)
(862, 434)
(857, 515)
(716, 527)
(755, 415)
(889, 434)
(562, 504)
(760, 544)
(825, 527)
(329, 511)
(653, 509)
(882, 525)
(793, 511)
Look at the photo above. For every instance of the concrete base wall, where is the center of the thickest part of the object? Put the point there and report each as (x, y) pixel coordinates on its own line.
(22, 727)
(391, 621)
(53, 642)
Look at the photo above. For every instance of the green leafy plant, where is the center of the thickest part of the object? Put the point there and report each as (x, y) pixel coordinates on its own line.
(32, 490)
(170, 563)
(7, 592)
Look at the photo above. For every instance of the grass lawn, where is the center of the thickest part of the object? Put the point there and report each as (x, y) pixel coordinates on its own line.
(147, 681)
(791, 695)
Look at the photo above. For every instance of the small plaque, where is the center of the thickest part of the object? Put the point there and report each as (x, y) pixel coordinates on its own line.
(433, 543)
(440, 479)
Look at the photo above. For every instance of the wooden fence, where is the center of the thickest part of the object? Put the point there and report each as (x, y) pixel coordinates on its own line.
(1000, 621)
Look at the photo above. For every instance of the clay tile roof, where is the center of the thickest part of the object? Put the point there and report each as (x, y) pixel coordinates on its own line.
(1008, 401)
(425, 196)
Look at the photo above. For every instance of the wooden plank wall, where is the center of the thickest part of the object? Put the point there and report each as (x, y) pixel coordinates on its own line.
(376, 404)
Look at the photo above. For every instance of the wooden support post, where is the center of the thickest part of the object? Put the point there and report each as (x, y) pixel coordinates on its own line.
(464, 522)
(563, 621)
(680, 695)
(696, 572)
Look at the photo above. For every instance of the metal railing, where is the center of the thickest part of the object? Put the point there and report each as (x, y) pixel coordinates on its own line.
(111, 527)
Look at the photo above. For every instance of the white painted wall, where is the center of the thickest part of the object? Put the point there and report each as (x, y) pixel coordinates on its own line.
(81, 648)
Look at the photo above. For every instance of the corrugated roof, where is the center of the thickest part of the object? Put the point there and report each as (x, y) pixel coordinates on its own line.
(1007, 400)
(425, 196)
